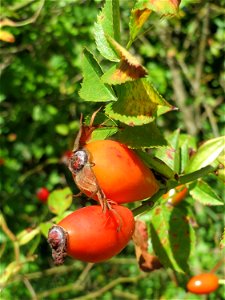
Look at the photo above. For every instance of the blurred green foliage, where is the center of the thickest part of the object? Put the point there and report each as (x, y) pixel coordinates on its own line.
(41, 75)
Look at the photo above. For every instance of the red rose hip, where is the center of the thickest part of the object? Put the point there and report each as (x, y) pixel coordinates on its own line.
(91, 235)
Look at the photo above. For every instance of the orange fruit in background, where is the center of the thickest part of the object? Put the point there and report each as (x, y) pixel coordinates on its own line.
(205, 283)
(176, 195)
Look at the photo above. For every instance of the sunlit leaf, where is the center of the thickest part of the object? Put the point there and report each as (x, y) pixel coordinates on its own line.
(165, 7)
(92, 88)
(204, 194)
(128, 69)
(206, 154)
(60, 200)
(103, 133)
(143, 9)
(6, 36)
(137, 19)
(44, 227)
(108, 23)
(137, 103)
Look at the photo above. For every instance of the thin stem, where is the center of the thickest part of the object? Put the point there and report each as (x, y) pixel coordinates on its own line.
(77, 286)
(37, 169)
(148, 204)
(212, 120)
(8, 22)
(218, 265)
(18, 6)
(196, 175)
(187, 178)
(11, 236)
(109, 286)
(30, 288)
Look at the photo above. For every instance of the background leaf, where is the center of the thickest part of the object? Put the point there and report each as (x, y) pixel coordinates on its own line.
(222, 241)
(206, 154)
(204, 194)
(60, 200)
(165, 7)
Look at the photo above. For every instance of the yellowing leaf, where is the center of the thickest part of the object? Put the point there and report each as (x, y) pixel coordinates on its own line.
(163, 7)
(128, 69)
(6, 36)
(137, 104)
(137, 20)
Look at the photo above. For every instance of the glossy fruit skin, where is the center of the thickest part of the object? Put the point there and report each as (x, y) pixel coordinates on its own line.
(205, 283)
(176, 195)
(94, 236)
(120, 173)
(42, 194)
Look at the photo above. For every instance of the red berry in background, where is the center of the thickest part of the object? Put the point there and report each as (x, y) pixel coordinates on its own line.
(205, 283)
(91, 235)
(42, 194)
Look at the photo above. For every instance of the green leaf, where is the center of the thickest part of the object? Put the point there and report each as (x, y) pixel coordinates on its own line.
(158, 165)
(137, 103)
(186, 143)
(62, 129)
(145, 136)
(171, 154)
(44, 227)
(103, 133)
(172, 236)
(92, 88)
(60, 200)
(206, 154)
(222, 241)
(204, 194)
(108, 23)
